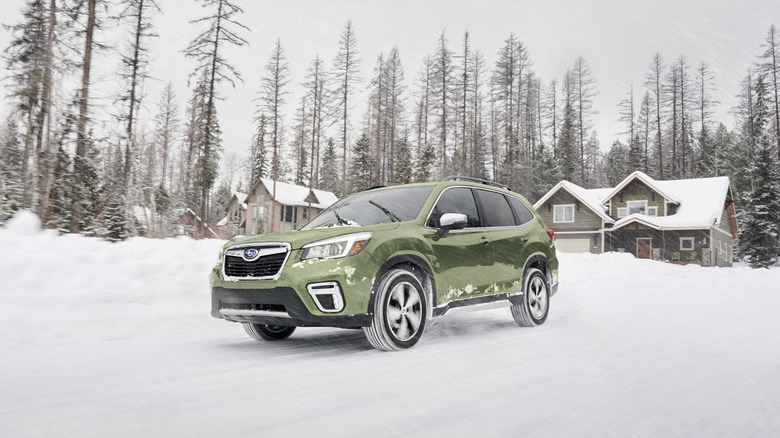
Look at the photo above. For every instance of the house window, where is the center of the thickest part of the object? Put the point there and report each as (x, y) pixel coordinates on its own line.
(652, 211)
(564, 213)
(288, 213)
(622, 212)
(686, 243)
(636, 207)
(305, 212)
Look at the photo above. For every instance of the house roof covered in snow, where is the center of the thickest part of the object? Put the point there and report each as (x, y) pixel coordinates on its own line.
(653, 184)
(291, 194)
(701, 202)
(591, 198)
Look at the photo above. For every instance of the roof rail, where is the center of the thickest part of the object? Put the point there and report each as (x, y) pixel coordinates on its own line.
(476, 180)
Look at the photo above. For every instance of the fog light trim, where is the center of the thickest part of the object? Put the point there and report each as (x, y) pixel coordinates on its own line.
(330, 289)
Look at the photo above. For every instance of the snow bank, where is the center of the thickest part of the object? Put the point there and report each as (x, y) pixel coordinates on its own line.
(24, 223)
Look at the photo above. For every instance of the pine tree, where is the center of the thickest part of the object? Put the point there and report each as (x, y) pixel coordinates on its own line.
(442, 99)
(29, 59)
(403, 173)
(706, 155)
(272, 95)
(617, 164)
(258, 154)
(345, 77)
(82, 165)
(207, 50)
(760, 231)
(584, 91)
(316, 83)
(770, 67)
(166, 127)
(60, 194)
(116, 221)
(567, 155)
(11, 190)
(546, 173)
(329, 174)
(654, 84)
(360, 169)
(425, 162)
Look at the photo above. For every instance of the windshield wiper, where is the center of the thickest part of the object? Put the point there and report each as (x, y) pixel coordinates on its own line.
(389, 213)
(340, 219)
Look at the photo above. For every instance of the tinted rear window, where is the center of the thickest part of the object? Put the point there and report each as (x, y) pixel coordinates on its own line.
(524, 215)
(497, 212)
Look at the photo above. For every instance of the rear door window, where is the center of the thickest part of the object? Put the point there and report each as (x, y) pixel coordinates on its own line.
(495, 209)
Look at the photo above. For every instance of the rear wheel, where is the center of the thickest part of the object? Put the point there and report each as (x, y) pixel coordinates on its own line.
(400, 312)
(536, 300)
(263, 332)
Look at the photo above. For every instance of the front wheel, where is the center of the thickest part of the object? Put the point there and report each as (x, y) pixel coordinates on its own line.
(400, 312)
(263, 332)
(536, 300)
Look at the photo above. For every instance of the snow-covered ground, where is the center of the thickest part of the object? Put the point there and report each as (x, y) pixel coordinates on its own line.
(102, 340)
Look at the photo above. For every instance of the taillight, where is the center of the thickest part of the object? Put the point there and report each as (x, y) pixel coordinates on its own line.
(551, 233)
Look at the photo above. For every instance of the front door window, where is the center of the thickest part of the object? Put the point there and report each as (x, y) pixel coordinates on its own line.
(644, 247)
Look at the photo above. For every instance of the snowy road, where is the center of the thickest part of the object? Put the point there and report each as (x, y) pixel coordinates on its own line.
(102, 340)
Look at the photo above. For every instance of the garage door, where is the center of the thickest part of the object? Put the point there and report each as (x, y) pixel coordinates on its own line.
(572, 245)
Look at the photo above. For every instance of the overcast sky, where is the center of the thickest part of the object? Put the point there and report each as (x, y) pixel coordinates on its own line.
(617, 38)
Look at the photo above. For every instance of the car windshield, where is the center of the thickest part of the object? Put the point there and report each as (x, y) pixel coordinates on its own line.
(373, 207)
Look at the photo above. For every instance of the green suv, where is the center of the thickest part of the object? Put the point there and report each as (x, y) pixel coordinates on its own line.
(389, 259)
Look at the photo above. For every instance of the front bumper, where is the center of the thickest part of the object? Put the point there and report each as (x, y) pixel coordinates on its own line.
(276, 306)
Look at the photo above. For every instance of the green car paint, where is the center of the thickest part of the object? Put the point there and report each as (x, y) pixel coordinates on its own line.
(457, 268)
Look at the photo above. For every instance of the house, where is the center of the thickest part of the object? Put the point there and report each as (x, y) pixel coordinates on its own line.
(192, 225)
(233, 222)
(685, 221)
(274, 206)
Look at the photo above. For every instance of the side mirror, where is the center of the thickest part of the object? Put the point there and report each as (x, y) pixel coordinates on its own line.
(451, 221)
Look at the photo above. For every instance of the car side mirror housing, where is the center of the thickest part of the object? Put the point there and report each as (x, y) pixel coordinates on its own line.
(451, 221)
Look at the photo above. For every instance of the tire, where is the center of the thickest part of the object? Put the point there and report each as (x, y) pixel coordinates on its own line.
(536, 300)
(400, 312)
(263, 332)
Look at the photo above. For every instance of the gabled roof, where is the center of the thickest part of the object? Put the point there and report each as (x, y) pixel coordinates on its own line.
(240, 200)
(591, 198)
(291, 194)
(701, 203)
(653, 184)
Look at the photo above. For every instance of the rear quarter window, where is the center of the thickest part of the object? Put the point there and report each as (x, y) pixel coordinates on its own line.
(523, 213)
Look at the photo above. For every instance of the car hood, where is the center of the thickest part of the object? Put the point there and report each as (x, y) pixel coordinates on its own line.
(297, 239)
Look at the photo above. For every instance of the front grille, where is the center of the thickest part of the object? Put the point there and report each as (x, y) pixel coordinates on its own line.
(265, 266)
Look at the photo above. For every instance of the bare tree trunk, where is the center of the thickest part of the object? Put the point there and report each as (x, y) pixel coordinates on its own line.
(81, 124)
(49, 154)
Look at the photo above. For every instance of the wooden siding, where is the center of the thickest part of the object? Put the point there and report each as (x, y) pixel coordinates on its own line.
(668, 242)
(584, 218)
(636, 190)
(261, 225)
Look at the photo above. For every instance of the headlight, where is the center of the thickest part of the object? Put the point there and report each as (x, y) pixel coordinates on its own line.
(336, 247)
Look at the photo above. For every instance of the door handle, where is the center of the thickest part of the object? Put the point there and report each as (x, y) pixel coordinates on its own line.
(483, 240)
